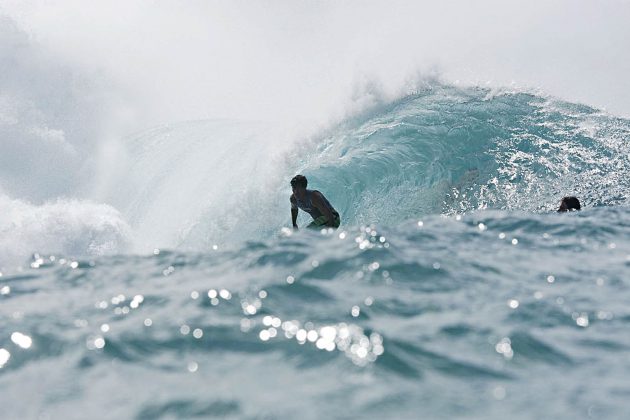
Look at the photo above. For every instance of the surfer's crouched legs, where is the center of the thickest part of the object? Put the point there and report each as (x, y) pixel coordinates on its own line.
(321, 221)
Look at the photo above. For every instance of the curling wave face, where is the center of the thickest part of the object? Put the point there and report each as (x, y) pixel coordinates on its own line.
(452, 150)
(443, 150)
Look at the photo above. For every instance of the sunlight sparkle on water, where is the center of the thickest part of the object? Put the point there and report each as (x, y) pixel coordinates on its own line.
(93, 343)
(21, 340)
(582, 320)
(348, 339)
(99, 342)
(4, 357)
(136, 301)
(504, 347)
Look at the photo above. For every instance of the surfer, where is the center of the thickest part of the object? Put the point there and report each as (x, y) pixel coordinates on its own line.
(314, 203)
(569, 203)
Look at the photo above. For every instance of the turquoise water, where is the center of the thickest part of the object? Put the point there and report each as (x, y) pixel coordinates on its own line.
(452, 289)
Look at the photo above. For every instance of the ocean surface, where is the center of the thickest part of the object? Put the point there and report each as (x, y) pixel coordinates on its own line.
(451, 290)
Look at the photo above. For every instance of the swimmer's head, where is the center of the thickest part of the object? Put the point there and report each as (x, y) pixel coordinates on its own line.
(569, 204)
(299, 181)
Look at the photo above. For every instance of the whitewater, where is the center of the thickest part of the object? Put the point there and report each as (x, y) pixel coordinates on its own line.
(148, 270)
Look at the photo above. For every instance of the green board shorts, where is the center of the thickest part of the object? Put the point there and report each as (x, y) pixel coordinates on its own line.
(321, 221)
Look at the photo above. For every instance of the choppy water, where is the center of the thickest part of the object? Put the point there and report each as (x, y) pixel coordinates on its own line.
(452, 289)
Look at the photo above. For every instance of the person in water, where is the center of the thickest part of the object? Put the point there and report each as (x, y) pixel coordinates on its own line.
(569, 204)
(314, 203)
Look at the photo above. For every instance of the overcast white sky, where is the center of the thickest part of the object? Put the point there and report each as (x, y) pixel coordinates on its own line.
(171, 60)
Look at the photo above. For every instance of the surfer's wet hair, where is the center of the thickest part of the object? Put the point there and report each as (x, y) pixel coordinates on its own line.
(569, 203)
(299, 181)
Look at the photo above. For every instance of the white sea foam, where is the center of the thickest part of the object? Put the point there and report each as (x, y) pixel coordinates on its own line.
(68, 227)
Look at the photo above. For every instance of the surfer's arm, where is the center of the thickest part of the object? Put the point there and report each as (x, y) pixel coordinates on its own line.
(294, 212)
(319, 204)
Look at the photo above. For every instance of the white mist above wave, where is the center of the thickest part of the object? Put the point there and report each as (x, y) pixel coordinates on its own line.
(200, 183)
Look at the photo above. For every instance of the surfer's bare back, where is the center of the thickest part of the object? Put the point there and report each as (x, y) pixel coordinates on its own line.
(314, 203)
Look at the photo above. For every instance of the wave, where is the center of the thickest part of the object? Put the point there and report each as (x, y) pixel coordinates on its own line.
(441, 150)
(451, 150)
(68, 227)
(444, 149)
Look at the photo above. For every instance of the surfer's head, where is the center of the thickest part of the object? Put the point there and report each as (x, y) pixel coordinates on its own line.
(298, 184)
(568, 204)
(299, 181)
